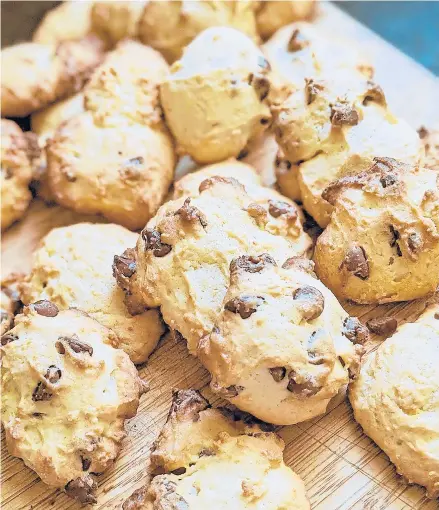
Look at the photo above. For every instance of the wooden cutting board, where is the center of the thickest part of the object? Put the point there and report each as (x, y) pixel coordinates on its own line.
(341, 467)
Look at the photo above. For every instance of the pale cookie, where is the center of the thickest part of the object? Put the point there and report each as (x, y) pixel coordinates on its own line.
(282, 347)
(19, 155)
(183, 256)
(221, 84)
(117, 158)
(66, 393)
(170, 26)
(382, 243)
(223, 458)
(332, 128)
(278, 214)
(72, 268)
(430, 139)
(68, 21)
(35, 75)
(396, 400)
(272, 15)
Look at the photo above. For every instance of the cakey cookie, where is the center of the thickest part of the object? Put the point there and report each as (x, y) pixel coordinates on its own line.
(19, 155)
(396, 400)
(182, 258)
(35, 75)
(68, 21)
(10, 300)
(430, 139)
(72, 268)
(66, 393)
(221, 83)
(44, 123)
(116, 158)
(219, 456)
(382, 243)
(270, 16)
(282, 347)
(332, 128)
(278, 214)
(170, 26)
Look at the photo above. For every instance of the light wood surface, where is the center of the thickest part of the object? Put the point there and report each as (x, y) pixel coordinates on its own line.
(342, 469)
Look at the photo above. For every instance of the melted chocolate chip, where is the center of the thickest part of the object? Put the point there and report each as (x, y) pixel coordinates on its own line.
(211, 181)
(124, 265)
(191, 213)
(303, 389)
(388, 180)
(297, 41)
(41, 391)
(251, 264)
(383, 326)
(312, 89)
(8, 338)
(74, 343)
(310, 302)
(355, 262)
(344, 115)
(153, 242)
(230, 392)
(261, 85)
(354, 331)
(244, 305)
(277, 208)
(242, 154)
(394, 238)
(278, 373)
(374, 93)
(207, 452)
(86, 463)
(82, 489)
(45, 308)
(53, 374)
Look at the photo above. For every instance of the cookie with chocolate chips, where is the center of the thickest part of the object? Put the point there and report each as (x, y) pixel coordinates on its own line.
(382, 243)
(282, 346)
(63, 382)
(198, 443)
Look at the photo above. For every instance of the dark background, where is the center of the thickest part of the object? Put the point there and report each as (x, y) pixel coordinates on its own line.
(412, 26)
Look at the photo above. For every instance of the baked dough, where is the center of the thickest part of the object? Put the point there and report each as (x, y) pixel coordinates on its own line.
(226, 458)
(396, 399)
(282, 346)
(221, 84)
(66, 393)
(72, 268)
(382, 243)
(116, 158)
(170, 26)
(35, 75)
(183, 256)
(430, 139)
(19, 154)
(331, 128)
(272, 15)
(10, 300)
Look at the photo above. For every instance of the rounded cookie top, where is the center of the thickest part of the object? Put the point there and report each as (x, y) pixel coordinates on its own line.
(170, 26)
(73, 268)
(222, 84)
(35, 75)
(66, 394)
(183, 256)
(396, 399)
(19, 155)
(382, 243)
(270, 16)
(282, 346)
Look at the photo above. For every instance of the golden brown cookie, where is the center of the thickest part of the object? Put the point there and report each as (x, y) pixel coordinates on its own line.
(396, 400)
(282, 347)
(72, 268)
(272, 15)
(183, 256)
(68, 21)
(221, 84)
(228, 457)
(170, 26)
(35, 75)
(117, 158)
(66, 393)
(382, 243)
(19, 155)
(430, 139)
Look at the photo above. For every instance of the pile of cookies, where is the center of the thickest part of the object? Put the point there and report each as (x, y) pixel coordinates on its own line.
(119, 95)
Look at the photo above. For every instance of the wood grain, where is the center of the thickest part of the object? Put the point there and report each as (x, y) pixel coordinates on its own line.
(342, 469)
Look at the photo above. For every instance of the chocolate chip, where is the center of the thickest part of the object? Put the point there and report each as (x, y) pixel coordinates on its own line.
(394, 238)
(297, 41)
(261, 84)
(74, 343)
(383, 326)
(179, 471)
(8, 338)
(355, 262)
(82, 489)
(278, 373)
(423, 132)
(124, 265)
(211, 181)
(312, 89)
(53, 374)
(282, 164)
(277, 207)
(207, 452)
(355, 331)
(136, 161)
(229, 392)
(388, 180)
(344, 115)
(153, 242)
(86, 463)
(374, 93)
(264, 121)
(244, 305)
(191, 213)
(414, 242)
(45, 308)
(300, 264)
(310, 302)
(41, 391)
(307, 388)
(264, 63)
(242, 154)
(251, 263)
